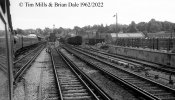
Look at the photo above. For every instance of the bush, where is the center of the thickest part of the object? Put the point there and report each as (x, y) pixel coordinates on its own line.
(104, 47)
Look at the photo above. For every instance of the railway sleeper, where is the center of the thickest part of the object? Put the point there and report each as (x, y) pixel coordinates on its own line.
(75, 94)
(73, 91)
(168, 98)
(73, 88)
(66, 76)
(52, 98)
(68, 83)
(137, 82)
(165, 95)
(127, 77)
(78, 98)
(155, 92)
(124, 75)
(149, 88)
(145, 85)
(71, 85)
(69, 80)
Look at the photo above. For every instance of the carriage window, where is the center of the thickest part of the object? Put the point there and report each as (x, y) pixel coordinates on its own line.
(3, 64)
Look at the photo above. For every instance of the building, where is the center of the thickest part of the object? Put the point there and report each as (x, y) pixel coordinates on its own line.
(131, 35)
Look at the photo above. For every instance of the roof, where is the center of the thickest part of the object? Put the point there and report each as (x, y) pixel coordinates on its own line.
(113, 35)
(161, 34)
(130, 35)
(32, 35)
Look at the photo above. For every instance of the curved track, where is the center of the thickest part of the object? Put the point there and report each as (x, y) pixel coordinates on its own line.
(22, 64)
(149, 89)
(133, 61)
(167, 74)
(3, 64)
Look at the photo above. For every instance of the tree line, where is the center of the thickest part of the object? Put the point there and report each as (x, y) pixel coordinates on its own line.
(152, 26)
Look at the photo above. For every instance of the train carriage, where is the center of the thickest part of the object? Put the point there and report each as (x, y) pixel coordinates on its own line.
(28, 40)
(21, 41)
(76, 40)
(17, 42)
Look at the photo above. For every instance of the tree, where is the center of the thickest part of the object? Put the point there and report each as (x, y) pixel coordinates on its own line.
(77, 30)
(132, 27)
(58, 30)
(154, 26)
(166, 26)
(20, 31)
(39, 32)
(142, 26)
(47, 31)
(124, 28)
(101, 29)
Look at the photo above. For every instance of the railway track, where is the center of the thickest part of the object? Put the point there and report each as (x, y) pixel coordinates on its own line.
(3, 63)
(163, 68)
(72, 84)
(23, 63)
(147, 88)
(26, 53)
(24, 50)
(48, 89)
(150, 70)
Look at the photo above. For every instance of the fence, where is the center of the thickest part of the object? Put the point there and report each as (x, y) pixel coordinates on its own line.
(152, 43)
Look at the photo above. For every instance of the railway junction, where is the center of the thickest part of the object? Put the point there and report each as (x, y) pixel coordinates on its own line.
(67, 72)
(86, 63)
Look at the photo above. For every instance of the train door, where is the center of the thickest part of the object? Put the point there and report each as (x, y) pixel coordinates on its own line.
(6, 80)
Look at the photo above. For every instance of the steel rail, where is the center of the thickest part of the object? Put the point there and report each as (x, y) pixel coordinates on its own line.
(92, 83)
(68, 63)
(108, 63)
(133, 62)
(2, 64)
(56, 76)
(139, 90)
(168, 69)
(23, 68)
(27, 54)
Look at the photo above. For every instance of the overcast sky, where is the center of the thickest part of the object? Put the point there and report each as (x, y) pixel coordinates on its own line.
(26, 17)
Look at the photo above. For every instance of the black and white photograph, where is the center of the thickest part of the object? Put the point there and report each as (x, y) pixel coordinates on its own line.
(87, 50)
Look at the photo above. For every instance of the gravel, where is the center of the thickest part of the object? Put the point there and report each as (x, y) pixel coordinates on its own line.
(113, 89)
(163, 77)
(29, 86)
(3, 85)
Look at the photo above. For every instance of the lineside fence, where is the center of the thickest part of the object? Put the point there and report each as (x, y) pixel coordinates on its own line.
(151, 43)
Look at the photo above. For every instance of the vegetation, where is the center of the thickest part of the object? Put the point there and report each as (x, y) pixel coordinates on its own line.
(152, 26)
(105, 47)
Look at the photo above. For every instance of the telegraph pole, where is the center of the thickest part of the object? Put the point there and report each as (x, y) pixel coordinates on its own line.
(116, 22)
(53, 27)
